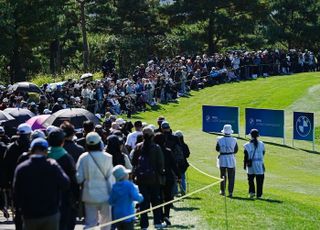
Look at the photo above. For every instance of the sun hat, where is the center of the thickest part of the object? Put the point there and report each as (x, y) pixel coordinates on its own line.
(227, 129)
(24, 128)
(119, 172)
(93, 138)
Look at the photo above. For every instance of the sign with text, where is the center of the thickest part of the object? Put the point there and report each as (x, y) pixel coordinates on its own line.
(269, 122)
(303, 126)
(215, 117)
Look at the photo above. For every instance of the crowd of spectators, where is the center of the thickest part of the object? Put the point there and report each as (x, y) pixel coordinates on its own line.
(160, 81)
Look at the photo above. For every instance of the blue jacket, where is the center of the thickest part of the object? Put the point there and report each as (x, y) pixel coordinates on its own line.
(121, 199)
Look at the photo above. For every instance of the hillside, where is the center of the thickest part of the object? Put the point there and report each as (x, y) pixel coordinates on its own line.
(292, 183)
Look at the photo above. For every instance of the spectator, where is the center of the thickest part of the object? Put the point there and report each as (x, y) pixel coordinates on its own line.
(148, 162)
(94, 170)
(38, 183)
(88, 127)
(14, 151)
(132, 137)
(114, 146)
(68, 198)
(122, 196)
(171, 174)
(70, 146)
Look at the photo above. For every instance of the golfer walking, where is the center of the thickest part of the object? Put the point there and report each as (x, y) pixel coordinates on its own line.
(227, 147)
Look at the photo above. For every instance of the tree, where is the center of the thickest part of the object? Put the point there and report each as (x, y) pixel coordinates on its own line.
(223, 20)
(294, 24)
(27, 28)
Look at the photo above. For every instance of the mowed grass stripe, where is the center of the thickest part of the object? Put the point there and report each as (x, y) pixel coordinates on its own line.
(292, 184)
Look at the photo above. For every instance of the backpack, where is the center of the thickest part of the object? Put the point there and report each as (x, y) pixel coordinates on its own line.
(144, 171)
(178, 153)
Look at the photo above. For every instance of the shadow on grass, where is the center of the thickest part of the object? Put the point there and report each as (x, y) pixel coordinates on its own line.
(193, 198)
(190, 209)
(190, 226)
(261, 199)
(241, 198)
(310, 151)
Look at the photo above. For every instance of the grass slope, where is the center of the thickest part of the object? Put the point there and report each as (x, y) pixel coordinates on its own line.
(292, 184)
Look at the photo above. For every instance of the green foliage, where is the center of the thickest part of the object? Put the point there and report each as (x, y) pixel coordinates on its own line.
(45, 36)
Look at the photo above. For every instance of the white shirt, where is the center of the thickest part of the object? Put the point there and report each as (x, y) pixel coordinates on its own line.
(257, 161)
(95, 185)
(132, 139)
(227, 145)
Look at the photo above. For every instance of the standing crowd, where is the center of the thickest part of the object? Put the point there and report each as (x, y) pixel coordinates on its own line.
(52, 178)
(159, 81)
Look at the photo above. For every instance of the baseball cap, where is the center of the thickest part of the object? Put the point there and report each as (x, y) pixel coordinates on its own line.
(93, 138)
(24, 128)
(119, 172)
(178, 133)
(165, 125)
(37, 133)
(39, 142)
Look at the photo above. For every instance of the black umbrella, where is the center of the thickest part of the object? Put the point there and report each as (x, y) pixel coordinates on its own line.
(76, 116)
(4, 116)
(25, 87)
(20, 115)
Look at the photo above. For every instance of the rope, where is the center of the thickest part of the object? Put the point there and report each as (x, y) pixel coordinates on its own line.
(156, 207)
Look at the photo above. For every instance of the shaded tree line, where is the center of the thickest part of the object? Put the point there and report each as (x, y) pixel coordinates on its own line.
(55, 36)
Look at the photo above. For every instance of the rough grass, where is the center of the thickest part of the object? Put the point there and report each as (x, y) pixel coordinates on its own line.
(292, 180)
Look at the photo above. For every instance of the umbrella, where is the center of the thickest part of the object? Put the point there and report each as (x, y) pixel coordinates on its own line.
(86, 76)
(75, 115)
(25, 87)
(20, 115)
(4, 116)
(37, 121)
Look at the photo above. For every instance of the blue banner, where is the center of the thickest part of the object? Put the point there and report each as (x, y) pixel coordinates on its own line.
(215, 117)
(303, 126)
(268, 122)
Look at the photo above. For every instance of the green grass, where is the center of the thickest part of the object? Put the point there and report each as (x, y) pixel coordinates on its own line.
(292, 179)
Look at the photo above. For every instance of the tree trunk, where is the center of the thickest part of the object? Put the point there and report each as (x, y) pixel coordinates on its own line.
(211, 46)
(18, 73)
(84, 37)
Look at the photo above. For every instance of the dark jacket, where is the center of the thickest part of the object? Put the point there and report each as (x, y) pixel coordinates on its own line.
(82, 142)
(156, 160)
(171, 169)
(11, 156)
(73, 149)
(3, 149)
(37, 185)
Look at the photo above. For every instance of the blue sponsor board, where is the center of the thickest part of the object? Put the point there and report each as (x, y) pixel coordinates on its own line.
(215, 117)
(303, 126)
(268, 122)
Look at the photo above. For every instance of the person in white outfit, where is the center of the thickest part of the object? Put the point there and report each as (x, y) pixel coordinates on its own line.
(94, 170)
(227, 147)
(253, 162)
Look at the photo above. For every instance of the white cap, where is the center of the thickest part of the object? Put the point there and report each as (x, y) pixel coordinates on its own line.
(93, 138)
(119, 172)
(24, 128)
(120, 121)
(51, 128)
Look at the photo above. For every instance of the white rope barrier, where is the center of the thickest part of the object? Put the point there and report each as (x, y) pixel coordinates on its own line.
(163, 204)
